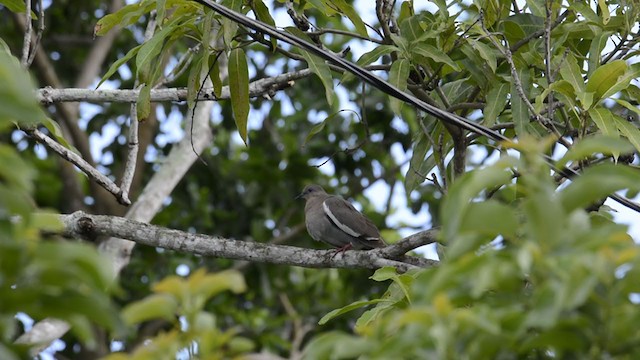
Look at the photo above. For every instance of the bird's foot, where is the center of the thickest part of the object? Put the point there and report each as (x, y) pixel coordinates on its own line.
(341, 250)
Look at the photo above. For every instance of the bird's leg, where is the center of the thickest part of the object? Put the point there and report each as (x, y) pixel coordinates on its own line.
(339, 250)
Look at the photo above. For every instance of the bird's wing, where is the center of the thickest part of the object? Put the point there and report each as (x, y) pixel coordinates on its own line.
(348, 219)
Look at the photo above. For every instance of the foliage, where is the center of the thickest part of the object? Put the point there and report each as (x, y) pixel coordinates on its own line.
(532, 265)
(180, 302)
(38, 276)
(557, 282)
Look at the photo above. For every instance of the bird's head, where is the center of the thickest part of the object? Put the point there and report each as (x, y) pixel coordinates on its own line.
(311, 191)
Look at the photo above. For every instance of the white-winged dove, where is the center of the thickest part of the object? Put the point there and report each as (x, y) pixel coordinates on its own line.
(333, 220)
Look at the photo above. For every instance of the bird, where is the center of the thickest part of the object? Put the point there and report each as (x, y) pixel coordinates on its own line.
(333, 220)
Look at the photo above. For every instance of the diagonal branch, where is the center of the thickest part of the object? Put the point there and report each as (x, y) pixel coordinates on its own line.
(78, 161)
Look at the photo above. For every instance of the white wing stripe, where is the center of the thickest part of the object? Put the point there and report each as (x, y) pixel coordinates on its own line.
(335, 220)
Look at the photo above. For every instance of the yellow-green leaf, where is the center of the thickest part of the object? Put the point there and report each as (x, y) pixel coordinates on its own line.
(599, 143)
(149, 52)
(433, 53)
(604, 120)
(116, 65)
(143, 104)
(352, 14)
(605, 77)
(398, 76)
(316, 65)
(570, 71)
(629, 130)
(496, 101)
(155, 306)
(239, 88)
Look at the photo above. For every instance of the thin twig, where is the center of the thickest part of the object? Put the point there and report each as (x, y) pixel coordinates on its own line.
(133, 144)
(538, 33)
(26, 42)
(39, 33)
(346, 33)
(132, 155)
(78, 161)
(547, 52)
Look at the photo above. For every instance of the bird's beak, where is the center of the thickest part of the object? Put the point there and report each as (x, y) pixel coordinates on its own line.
(299, 196)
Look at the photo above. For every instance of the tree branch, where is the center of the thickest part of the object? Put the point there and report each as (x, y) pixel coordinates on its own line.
(86, 226)
(257, 88)
(78, 161)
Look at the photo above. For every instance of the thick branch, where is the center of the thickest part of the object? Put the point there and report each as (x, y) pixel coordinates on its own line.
(256, 88)
(82, 225)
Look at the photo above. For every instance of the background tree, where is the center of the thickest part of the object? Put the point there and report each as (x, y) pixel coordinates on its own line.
(531, 265)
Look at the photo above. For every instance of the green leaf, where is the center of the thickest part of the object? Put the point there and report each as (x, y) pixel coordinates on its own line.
(47, 222)
(126, 16)
(634, 92)
(410, 27)
(322, 70)
(116, 65)
(345, 309)
(214, 75)
(595, 51)
(519, 110)
(262, 13)
(368, 58)
(587, 147)
(431, 52)
(319, 127)
(570, 71)
(398, 75)
(194, 81)
(467, 187)
(230, 27)
(17, 100)
(604, 120)
(628, 105)
(326, 344)
(143, 103)
(161, 10)
(496, 101)
(148, 53)
(56, 131)
(605, 77)
(584, 10)
(622, 83)
(518, 26)
(486, 53)
(490, 218)
(15, 173)
(406, 10)
(597, 182)
(316, 65)
(418, 167)
(15, 6)
(239, 88)
(402, 282)
(604, 11)
(352, 14)
(562, 89)
(629, 130)
(154, 306)
(209, 285)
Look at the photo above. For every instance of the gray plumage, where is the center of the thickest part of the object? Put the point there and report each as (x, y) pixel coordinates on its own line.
(333, 220)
